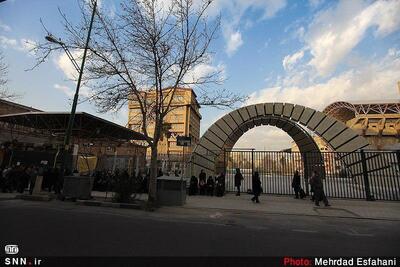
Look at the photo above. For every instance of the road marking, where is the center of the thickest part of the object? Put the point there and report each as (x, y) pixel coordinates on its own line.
(304, 231)
(355, 233)
(367, 235)
(216, 215)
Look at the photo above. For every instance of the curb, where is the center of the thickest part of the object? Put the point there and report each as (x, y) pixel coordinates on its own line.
(8, 198)
(298, 214)
(34, 197)
(108, 204)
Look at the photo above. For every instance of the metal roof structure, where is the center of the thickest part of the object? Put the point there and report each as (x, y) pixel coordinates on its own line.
(345, 111)
(85, 125)
(23, 108)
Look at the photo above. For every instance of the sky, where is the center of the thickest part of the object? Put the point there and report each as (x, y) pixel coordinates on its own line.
(311, 52)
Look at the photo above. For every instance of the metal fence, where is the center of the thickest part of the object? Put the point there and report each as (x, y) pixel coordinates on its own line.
(358, 175)
(172, 164)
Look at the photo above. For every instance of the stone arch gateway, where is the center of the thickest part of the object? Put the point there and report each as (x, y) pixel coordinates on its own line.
(292, 119)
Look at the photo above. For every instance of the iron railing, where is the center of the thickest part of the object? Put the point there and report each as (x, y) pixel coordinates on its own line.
(359, 175)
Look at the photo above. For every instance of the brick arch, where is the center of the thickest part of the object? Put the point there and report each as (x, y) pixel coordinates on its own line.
(224, 133)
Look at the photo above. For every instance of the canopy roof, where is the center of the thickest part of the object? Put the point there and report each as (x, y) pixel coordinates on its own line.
(345, 111)
(85, 125)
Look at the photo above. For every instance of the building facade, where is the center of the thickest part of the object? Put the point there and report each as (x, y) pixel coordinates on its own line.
(35, 136)
(183, 120)
(378, 121)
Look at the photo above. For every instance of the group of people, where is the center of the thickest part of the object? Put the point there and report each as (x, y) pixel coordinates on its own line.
(317, 188)
(216, 186)
(256, 185)
(207, 186)
(20, 177)
(106, 180)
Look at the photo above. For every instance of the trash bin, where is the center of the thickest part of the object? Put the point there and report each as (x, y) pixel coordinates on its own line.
(79, 187)
(171, 191)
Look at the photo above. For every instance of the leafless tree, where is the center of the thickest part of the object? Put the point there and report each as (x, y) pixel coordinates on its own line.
(143, 54)
(4, 91)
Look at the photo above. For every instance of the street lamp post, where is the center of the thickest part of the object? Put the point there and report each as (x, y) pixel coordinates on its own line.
(52, 39)
(68, 132)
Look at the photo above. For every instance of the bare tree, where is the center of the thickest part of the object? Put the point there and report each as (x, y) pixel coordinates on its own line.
(144, 54)
(4, 91)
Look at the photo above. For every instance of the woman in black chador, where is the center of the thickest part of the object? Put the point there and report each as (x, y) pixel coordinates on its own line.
(202, 182)
(317, 185)
(194, 186)
(210, 186)
(296, 183)
(238, 181)
(220, 186)
(256, 187)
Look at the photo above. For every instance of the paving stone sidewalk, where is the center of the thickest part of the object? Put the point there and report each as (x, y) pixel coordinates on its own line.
(288, 205)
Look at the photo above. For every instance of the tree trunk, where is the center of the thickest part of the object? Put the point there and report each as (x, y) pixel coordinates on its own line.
(152, 197)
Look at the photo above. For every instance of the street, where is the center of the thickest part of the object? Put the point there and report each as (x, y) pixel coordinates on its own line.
(65, 229)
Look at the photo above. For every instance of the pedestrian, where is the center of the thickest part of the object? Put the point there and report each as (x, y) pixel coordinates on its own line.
(312, 188)
(318, 187)
(32, 172)
(220, 187)
(193, 187)
(202, 182)
(22, 179)
(257, 189)
(296, 183)
(238, 181)
(210, 186)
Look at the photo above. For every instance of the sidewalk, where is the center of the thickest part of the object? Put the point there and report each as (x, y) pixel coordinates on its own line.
(287, 205)
(8, 196)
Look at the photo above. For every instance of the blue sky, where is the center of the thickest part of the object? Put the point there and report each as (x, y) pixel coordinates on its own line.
(307, 52)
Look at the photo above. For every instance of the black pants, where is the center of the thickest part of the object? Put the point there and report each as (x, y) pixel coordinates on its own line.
(238, 190)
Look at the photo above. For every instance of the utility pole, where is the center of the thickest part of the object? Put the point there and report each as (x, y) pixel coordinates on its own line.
(68, 133)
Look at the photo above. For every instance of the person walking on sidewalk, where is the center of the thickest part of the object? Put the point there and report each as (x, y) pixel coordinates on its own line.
(256, 187)
(296, 183)
(238, 181)
(317, 185)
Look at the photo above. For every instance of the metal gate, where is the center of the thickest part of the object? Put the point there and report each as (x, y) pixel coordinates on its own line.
(370, 175)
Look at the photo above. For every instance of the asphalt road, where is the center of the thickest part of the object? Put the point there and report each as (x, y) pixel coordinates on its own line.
(65, 229)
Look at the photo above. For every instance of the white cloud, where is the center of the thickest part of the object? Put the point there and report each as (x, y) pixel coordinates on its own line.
(234, 41)
(336, 31)
(99, 2)
(83, 91)
(65, 89)
(204, 71)
(27, 45)
(372, 80)
(4, 27)
(315, 3)
(23, 44)
(369, 80)
(64, 63)
(7, 42)
(290, 60)
(234, 10)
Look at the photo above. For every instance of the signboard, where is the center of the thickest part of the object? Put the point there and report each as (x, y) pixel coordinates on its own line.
(183, 141)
